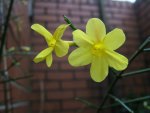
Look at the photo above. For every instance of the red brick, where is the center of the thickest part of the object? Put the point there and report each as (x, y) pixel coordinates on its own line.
(60, 76)
(38, 48)
(34, 96)
(52, 106)
(38, 75)
(81, 13)
(68, 7)
(84, 93)
(83, 74)
(22, 109)
(46, 18)
(124, 17)
(115, 22)
(39, 11)
(45, 5)
(74, 84)
(50, 85)
(60, 95)
(41, 66)
(72, 105)
(66, 66)
(91, 8)
(57, 12)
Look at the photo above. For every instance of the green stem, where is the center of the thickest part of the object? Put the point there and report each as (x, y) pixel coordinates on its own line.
(135, 72)
(87, 103)
(147, 50)
(20, 53)
(121, 103)
(14, 79)
(91, 105)
(129, 101)
(68, 21)
(16, 104)
(71, 43)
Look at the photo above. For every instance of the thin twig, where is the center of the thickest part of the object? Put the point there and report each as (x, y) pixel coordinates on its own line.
(146, 50)
(121, 103)
(15, 79)
(6, 27)
(135, 72)
(139, 99)
(87, 103)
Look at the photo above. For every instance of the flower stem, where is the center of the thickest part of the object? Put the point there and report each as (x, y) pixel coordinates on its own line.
(135, 72)
(68, 21)
(71, 43)
(146, 50)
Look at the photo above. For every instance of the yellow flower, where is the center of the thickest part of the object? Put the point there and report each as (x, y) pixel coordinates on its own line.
(97, 48)
(54, 42)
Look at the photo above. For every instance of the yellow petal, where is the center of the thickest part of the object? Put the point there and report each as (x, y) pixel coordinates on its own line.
(42, 31)
(42, 55)
(81, 39)
(80, 57)
(116, 60)
(60, 31)
(95, 29)
(61, 48)
(49, 60)
(99, 69)
(114, 39)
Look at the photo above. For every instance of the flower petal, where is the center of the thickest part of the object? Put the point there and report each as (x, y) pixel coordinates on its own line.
(42, 55)
(61, 48)
(95, 29)
(42, 31)
(114, 39)
(116, 60)
(60, 31)
(99, 69)
(80, 57)
(81, 39)
(49, 60)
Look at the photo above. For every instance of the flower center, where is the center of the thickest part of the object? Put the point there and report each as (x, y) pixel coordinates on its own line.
(52, 43)
(98, 49)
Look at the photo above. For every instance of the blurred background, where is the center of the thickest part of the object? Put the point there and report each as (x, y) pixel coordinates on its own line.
(27, 87)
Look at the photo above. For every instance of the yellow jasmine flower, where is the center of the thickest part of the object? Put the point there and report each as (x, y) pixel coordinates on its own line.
(54, 42)
(95, 47)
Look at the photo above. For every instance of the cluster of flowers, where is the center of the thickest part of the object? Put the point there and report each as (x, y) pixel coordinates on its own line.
(94, 47)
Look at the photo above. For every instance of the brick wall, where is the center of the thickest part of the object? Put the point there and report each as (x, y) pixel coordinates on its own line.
(143, 16)
(55, 89)
(143, 8)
